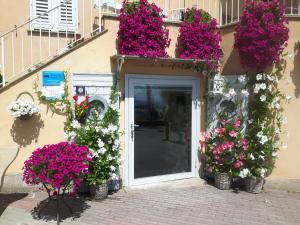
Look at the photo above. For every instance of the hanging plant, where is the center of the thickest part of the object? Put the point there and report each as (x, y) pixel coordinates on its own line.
(141, 30)
(199, 37)
(261, 34)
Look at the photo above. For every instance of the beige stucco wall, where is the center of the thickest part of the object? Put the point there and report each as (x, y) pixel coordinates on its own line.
(94, 57)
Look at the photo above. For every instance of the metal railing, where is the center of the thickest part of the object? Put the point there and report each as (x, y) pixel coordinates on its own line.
(27, 46)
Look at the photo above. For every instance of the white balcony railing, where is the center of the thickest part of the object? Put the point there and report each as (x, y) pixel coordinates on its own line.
(27, 46)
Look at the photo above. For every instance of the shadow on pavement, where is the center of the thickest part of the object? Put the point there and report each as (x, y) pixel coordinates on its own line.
(7, 198)
(72, 208)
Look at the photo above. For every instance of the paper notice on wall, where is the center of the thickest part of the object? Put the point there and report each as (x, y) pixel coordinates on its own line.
(53, 84)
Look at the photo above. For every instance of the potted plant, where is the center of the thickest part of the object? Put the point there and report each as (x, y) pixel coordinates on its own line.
(101, 134)
(254, 179)
(22, 109)
(142, 31)
(225, 151)
(59, 168)
(81, 108)
(199, 37)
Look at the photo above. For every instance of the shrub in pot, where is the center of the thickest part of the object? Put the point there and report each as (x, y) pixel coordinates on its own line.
(226, 147)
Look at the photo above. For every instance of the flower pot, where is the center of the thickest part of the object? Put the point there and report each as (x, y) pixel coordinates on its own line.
(223, 181)
(25, 117)
(99, 192)
(254, 184)
(81, 119)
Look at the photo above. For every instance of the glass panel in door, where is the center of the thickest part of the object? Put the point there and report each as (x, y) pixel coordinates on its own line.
(162, 133)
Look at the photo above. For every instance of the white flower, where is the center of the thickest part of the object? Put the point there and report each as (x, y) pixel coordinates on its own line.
(270, 88)
(259, 77)
(263, 172)
(260, 134)
(242, 78)
(244, 173)
(102, 151)
(109, 158)
(97, 128)
(261, 157)
(263, 98)
(245, 93)
(232, 92)
(20, 108)
(290, 55)
(75, 124)
(70, 136)
(112, 168)
(252, 157)
(277, 131)
(256, 88)
(250, 121)
(263, 139)
(263, 86)
(100, 143)
(116, 145)
(275, 154)
(115, 107)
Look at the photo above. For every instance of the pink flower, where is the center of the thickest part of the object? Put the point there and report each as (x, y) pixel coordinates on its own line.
(237, 124)
(206, 135)
(245, 147)
(244, 141)
(242, 156)
(223, 122)
(233, 133)
(220, 131)
(237, 164)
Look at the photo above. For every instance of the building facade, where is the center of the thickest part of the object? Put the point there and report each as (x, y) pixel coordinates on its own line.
(80, 37)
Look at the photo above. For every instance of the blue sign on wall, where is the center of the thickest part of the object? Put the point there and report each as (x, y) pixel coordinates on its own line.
(53, 84)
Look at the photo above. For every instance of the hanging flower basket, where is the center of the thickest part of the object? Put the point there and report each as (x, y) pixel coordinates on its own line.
(223, 181)
(23, 109)
(99, 192)
(254, 184)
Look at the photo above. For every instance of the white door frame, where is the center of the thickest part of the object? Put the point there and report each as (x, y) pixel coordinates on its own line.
(130, 81)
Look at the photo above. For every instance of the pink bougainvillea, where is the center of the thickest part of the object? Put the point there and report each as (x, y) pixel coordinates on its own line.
(141, 30)
(199, 37)
(58, 167)
(261, 34)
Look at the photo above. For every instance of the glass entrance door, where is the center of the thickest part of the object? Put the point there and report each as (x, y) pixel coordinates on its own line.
(161, 142)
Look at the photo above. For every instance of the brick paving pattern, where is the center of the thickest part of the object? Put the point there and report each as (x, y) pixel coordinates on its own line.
(185, 204)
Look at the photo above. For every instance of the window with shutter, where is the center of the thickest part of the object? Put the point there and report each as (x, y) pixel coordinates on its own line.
(62, 15)
(39, 9)
(67, 18)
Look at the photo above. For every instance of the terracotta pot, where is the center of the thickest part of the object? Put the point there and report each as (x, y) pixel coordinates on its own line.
(223, 181)
(99, 192)
(254, 184)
